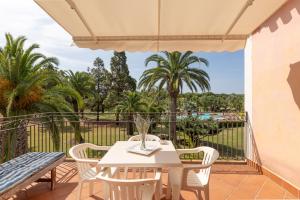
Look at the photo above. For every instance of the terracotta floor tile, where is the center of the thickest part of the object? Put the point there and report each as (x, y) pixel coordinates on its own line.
(228, 181)
(288, 195)
(248, 187)
(188, 195)
(271, 190)
(219, 189)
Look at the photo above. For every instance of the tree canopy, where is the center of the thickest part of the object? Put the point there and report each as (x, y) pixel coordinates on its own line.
(28, 85)
(121, 81)
(172, 71)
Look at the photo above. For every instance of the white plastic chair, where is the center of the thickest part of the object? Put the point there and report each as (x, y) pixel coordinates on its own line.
(198, 181)
(149, 137)
(86, 167)
(141, 188)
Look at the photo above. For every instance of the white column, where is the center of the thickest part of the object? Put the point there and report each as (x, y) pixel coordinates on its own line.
(248, 97)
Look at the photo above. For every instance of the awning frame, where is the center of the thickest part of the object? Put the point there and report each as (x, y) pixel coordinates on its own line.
(159, 37)
(228, 36)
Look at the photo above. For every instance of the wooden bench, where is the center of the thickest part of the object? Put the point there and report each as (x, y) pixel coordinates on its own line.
(18, 173)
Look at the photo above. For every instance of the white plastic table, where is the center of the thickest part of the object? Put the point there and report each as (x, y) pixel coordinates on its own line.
(166, 157)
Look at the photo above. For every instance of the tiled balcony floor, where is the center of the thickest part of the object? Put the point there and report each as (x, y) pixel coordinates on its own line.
(228, 181)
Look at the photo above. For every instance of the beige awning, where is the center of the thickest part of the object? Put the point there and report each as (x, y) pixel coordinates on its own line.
(156, 25)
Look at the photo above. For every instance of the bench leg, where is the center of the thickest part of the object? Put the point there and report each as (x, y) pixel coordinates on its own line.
(53, 178)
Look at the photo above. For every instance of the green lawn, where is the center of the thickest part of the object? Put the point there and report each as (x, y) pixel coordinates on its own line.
(100, 135)
(229, 142)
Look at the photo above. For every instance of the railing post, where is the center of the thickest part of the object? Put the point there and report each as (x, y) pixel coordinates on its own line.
(52, 130)
(52, 122)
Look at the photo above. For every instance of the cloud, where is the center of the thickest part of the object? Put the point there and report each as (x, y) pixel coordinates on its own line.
(24, 17)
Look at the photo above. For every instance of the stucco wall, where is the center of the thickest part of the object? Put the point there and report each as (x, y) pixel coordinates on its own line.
(276, 92)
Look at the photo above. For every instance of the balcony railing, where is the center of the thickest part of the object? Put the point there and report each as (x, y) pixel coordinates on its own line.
(53, 132)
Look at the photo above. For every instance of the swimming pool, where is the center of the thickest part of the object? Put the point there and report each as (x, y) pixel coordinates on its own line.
(204, 116)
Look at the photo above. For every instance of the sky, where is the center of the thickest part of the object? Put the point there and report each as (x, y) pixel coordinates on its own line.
(24, 17)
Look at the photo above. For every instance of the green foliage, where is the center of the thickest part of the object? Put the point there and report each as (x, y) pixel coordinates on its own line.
(156, 100)
(121, 81)
(195, 130)
(29, 83)
(101, 87)
(82, 83)
(131, 103)
(194, 126)
(172, 71)
(210, 102)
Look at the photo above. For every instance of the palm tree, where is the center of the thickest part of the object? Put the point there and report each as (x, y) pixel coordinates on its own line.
(82, 83)
(131, 104)
(27, 85)
(173, 70)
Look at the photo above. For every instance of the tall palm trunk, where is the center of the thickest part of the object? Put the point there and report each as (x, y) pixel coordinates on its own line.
(82, 113)
(117, 114)
(102, 107)
(21, 138)
(98, 111)
(75, 106)
(130, 124)
(13, 141)
(4, 153)
(172, 117)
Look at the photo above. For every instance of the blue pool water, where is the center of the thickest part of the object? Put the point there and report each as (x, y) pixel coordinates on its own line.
(203, 116)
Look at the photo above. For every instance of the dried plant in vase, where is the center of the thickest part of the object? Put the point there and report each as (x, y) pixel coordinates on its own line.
(142, 126)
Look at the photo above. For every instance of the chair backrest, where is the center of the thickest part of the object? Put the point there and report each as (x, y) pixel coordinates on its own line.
(80, 155)
(129, 189)
(209, 157)
(149, 137)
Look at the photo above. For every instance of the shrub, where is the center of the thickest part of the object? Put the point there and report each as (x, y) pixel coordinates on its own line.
(196, 127)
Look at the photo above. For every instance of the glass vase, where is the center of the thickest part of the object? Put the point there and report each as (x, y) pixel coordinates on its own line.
(143, 141)
(142, 126)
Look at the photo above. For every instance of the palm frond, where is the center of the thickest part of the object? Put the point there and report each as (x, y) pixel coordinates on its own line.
(173, 70)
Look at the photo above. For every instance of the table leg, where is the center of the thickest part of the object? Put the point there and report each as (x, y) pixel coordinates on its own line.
(169, 186)
(158, 190)
(174, 183)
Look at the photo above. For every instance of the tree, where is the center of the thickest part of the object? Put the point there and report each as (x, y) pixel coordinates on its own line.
(25, 88)
(188, 102)
(173, 70)
(121, 81)
(102, 85)
(211, 102)
(131, 103)
(82, 83)
(156, 104)
(156, 100)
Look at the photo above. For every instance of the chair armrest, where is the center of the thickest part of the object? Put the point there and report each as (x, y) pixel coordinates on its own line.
(87, 161)
(107, 171)
(186, 151)
(100, 148)
(189, 167)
